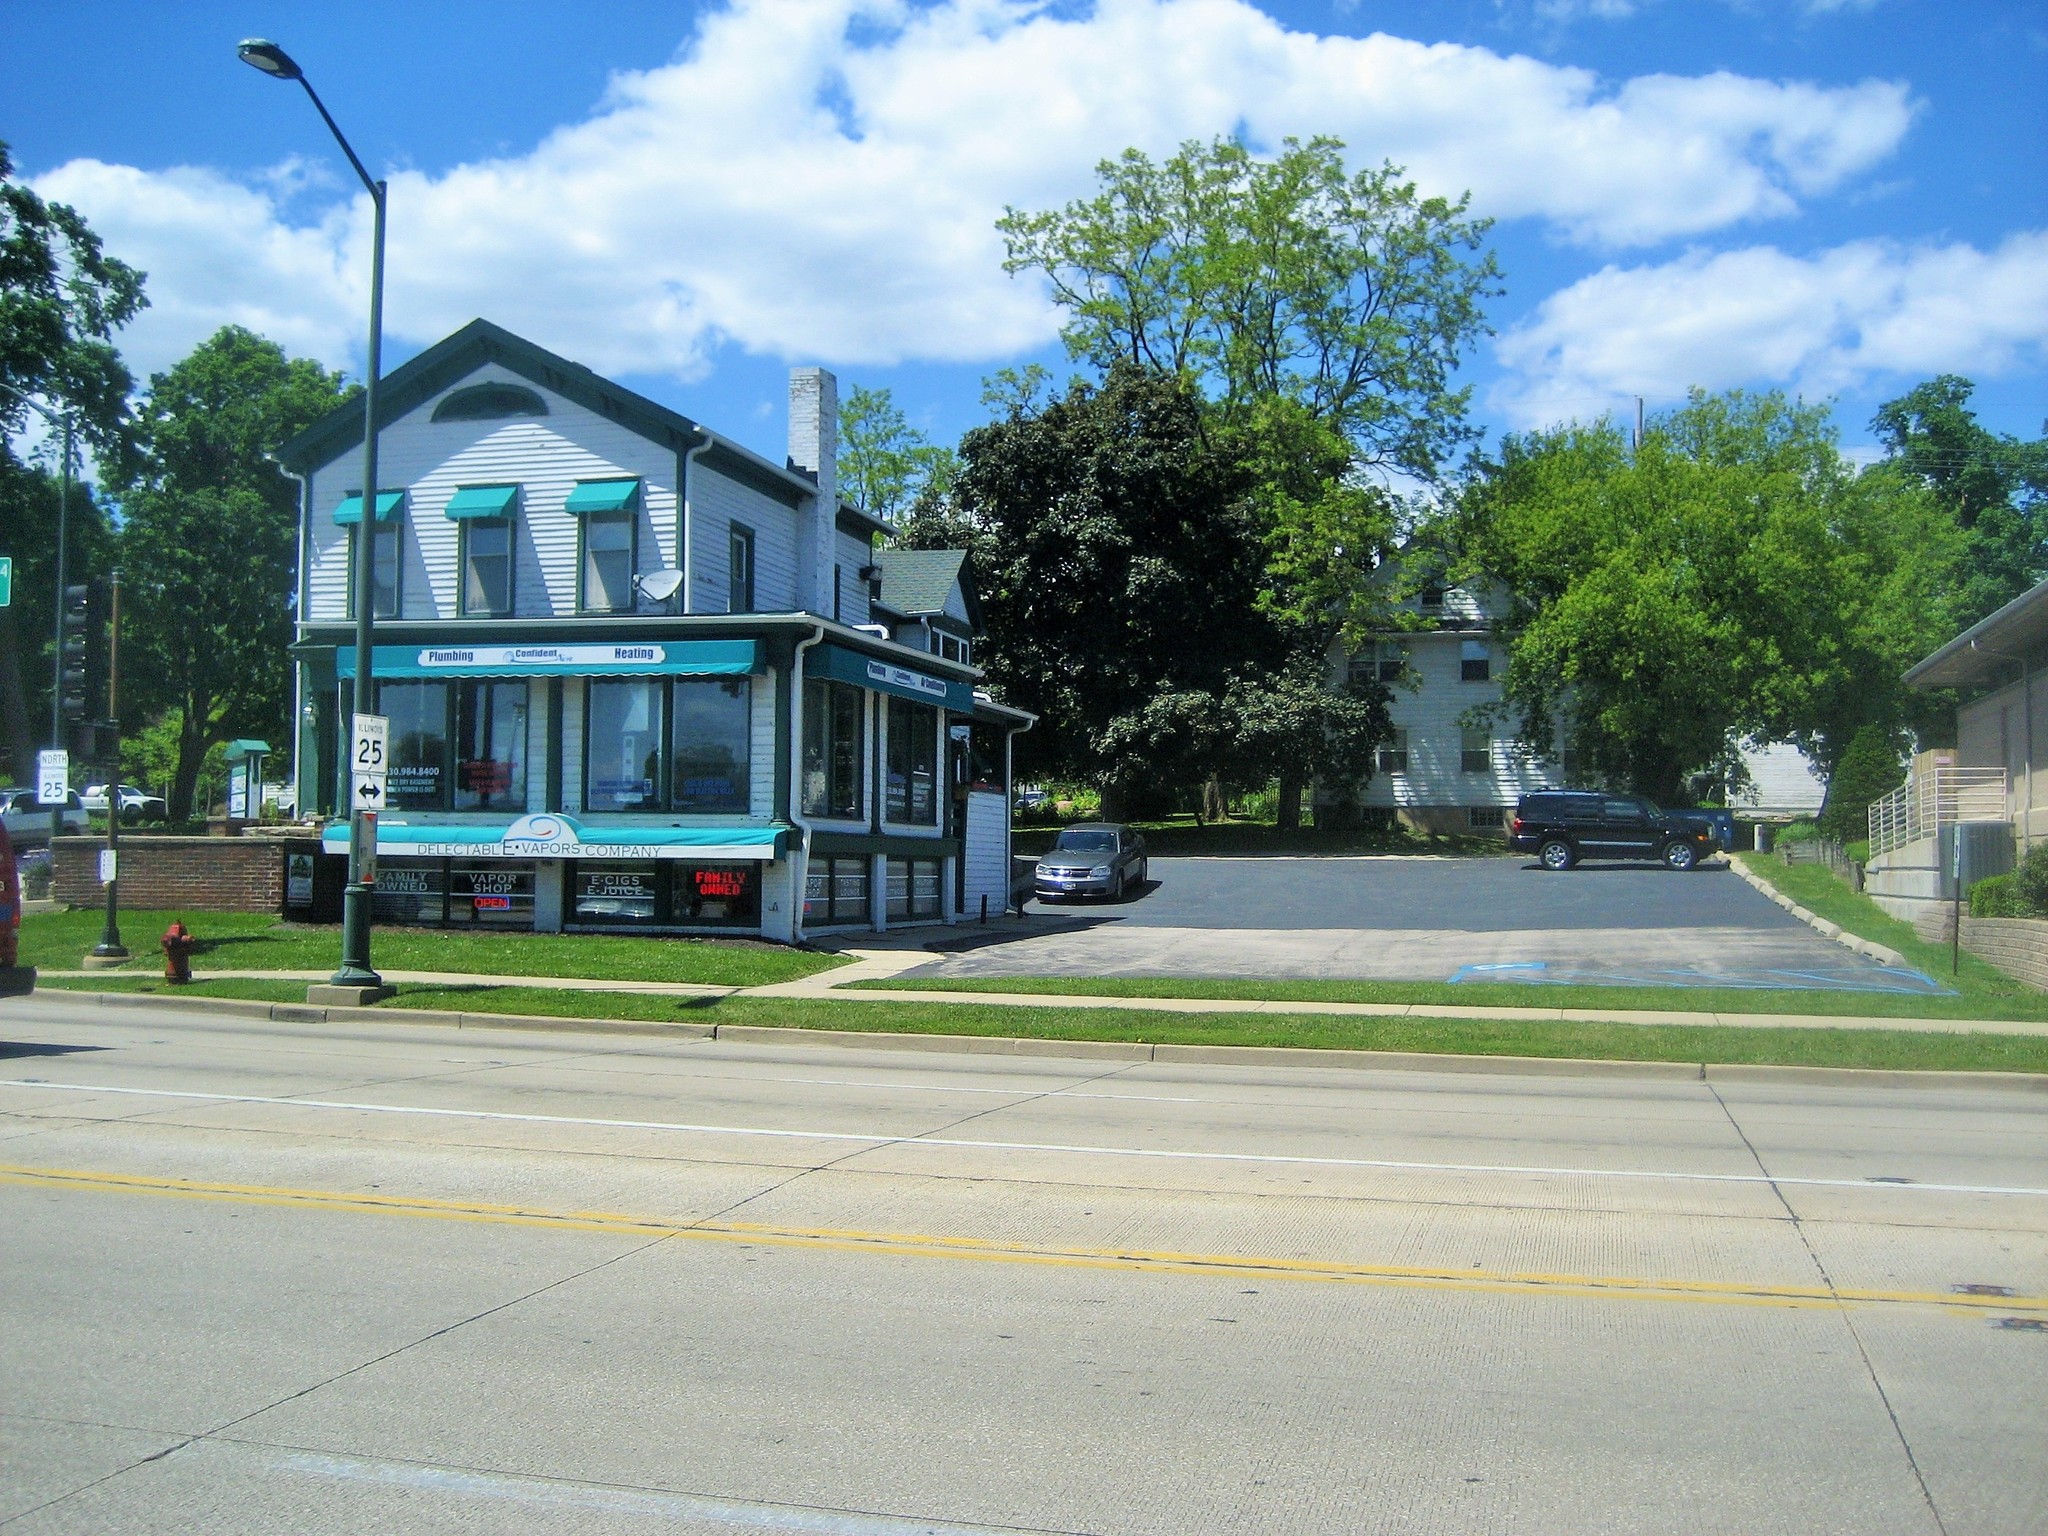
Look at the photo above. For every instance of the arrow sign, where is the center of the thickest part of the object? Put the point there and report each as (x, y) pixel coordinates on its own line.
(368, 793)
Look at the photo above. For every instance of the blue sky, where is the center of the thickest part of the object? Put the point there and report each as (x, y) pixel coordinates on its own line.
(1836, 197)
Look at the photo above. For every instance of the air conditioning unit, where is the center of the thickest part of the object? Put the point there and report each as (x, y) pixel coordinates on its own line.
(1974, 850)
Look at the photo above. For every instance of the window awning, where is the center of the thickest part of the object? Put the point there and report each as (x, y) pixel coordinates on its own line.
(603, 496)
(550, 835)
(388, 505)
(482, 501)
(849, 666)
(670, 658)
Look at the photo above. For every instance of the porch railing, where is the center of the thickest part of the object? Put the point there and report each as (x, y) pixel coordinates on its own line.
(1932, 799)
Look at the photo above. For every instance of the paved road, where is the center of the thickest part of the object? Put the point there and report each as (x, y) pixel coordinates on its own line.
(1427, 919)
(261, 1278)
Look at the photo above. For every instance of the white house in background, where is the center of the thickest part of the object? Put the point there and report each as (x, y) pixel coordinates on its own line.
(637, 676)
(1440, 774)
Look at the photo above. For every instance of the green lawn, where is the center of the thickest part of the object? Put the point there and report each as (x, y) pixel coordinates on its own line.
(242, 941)
(1890, 1049)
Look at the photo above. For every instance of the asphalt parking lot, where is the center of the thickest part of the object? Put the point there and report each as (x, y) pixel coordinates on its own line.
(1428, 919)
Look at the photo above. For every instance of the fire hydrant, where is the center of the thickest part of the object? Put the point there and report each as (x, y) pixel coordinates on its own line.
(178, 945)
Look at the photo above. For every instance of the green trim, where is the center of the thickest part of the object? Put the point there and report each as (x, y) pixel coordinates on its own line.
(886, 844)
(482, 501)
(389, 504)
(663, 658)
(603, 496)
(555, 752)
(849, 666)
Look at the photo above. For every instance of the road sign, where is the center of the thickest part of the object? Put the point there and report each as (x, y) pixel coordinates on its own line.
(109, 862)
(6, 580)
(369, 762)
(53, 777)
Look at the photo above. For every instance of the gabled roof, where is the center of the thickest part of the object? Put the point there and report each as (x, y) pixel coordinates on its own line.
(448, 361)
(917, 582)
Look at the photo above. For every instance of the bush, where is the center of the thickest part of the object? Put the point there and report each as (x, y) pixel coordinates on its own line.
(1998, 896)
(2030, 881)
(1796, 832)
(1871, 768)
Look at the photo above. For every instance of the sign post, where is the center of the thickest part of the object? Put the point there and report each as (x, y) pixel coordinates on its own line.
(369, 763)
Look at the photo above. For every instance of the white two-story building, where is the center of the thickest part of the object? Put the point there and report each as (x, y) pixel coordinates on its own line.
(637, 676)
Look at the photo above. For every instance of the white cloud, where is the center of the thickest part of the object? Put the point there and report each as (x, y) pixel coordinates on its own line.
(1818, 324)
(820, 177)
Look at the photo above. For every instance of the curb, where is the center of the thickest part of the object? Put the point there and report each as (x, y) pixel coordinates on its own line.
(1097, 1050)
(1820, 925)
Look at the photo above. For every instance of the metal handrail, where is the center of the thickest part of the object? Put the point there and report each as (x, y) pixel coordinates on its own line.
(1933, 799)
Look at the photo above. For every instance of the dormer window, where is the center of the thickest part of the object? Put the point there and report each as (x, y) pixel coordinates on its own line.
(1433, 594)
(951, 647)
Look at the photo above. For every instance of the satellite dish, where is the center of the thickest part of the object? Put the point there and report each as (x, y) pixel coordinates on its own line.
(660, 586)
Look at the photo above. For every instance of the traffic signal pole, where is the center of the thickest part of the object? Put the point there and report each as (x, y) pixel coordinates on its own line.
(57, 661)
(110, 948)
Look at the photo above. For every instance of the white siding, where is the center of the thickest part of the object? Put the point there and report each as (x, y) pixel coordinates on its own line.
(1781, 780)
(545, 456)
(761, 771)
(572, 745)
(853, 553)
(716, 503)
(1430, 715)
(988, 852)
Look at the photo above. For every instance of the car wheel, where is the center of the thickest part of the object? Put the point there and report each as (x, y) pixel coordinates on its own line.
(1144, 870)
(1116, 891)
(1556, 855)
(1680, 856)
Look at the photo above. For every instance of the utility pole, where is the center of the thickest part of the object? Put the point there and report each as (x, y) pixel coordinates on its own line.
(1639, 424)
(109, 950)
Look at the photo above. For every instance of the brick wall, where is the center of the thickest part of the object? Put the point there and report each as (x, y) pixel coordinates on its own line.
(197, 874)
(2017, 946)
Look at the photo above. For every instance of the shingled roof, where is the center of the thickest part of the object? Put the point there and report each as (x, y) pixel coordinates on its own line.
(917, 582)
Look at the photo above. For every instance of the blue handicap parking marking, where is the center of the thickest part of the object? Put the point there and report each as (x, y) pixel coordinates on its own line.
(1848, 978)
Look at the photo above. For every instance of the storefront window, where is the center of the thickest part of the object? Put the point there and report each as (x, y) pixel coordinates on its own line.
(913, 888)
(418, 713)
(713, 743)
(492, 893)
(832, 749)
(836, 891)
(627, 895)
(913, 763)
(622, 746)
(716, 895)
(411, 892)
(490, 746)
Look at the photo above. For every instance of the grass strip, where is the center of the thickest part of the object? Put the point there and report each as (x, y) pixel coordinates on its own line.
(246, 941)
(1897, 1050)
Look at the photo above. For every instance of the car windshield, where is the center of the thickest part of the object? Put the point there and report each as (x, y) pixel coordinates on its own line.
(1086, 842)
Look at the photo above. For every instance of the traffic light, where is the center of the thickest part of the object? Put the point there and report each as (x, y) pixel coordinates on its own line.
(75, 648)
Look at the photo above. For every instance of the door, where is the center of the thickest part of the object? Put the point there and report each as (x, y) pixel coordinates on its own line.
(1625, 828)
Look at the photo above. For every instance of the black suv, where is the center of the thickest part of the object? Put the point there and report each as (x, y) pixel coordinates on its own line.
(1563, 826)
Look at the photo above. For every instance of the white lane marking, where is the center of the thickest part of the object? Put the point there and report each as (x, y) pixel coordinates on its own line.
(554, 1493)
(1014, 1093)
(879, 1139)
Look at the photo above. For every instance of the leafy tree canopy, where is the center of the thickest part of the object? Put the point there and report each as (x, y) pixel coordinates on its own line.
(210, 544)
(1994, 486)
(1731, 578)
(885, 463)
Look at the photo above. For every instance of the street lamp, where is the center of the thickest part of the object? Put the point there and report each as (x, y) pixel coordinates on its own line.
(355, 973)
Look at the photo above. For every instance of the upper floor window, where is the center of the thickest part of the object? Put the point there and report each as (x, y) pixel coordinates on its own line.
(1475, 753)
(386, 549)
(490, 402)
(609, 559)
(1475, 664)
(952, 647)
(1393, 755)
(1432, 594)
(739, 570)
(487, 566)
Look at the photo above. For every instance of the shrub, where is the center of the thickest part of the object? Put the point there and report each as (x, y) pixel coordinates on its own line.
(2030, 881)
(1796, 832)
(1998, 896)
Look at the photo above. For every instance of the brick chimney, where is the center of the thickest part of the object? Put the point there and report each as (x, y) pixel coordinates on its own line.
(814, 449)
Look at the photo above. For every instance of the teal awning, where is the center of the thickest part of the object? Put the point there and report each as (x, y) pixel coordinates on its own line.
(657, 658)
(850, 666)
(551, 835)
(603, 496)
(483, 501)
(388, 505)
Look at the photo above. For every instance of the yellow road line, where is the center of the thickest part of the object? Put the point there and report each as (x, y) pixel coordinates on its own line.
(933, 1245)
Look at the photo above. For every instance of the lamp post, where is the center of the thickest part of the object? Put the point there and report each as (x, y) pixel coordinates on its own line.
(64, 424)
(355, 971)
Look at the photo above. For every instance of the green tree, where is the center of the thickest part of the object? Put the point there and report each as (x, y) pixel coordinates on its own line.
(1119, 565)
(210, 545)
(1872, 767)
(886, 464)
(1731, 578)
(1323, 314)
(1993, 485)
(61, 300)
